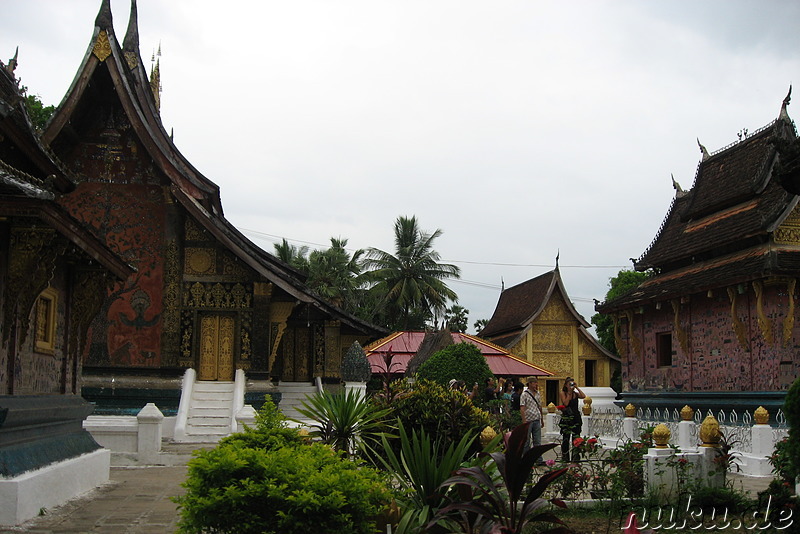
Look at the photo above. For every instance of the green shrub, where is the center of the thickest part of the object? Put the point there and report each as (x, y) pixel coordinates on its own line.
(271, 431)
(444, 414)
(287, 490)
(462, 361)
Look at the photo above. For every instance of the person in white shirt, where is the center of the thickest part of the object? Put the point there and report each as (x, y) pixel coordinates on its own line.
(530, 404)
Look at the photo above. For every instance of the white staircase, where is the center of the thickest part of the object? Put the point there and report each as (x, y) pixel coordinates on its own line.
(210, 412)
(292, 396)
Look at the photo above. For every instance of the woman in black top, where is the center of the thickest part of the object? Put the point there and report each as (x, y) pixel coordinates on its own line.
(571, 422)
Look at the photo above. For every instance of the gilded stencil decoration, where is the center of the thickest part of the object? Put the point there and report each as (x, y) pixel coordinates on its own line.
(228, 296)
(319, 349)
(676, 323)
(89, 291)
(102, 46)
(245, 343)
(131, 60)
(232, 267)
(636, 342)
(200, 261)
(193, 231)
(788, 233)
(170, 338)
(555, 310)
(279, 314)
(788, 321)
(763, 321)
(560, 364)
(738, 326)
(556, 338)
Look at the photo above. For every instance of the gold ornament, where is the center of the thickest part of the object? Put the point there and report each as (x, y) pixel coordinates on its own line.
(587, 406)
(102, 46)
(687, 414)
(551, 408)
(661, 435)
(761, 415)
(710, 434)
(487, 435)
(630, 410)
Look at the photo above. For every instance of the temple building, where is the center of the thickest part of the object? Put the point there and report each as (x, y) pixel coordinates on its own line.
(717, 316)
(203, 296)
(537, 321)
(54, 275)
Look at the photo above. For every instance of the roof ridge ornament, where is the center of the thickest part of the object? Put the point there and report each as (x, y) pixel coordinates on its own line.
(130, 45)
(703, 150)
(102, 46)
(104, 20)
(784, 114)
(12, 63)
(679, 192)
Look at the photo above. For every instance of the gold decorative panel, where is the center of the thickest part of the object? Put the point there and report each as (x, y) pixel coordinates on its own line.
(102, 46)
(200, 261)
(217, 295)
(560, 364)
(555, 310)
(556, 338)
(233, 267)
(788, 233)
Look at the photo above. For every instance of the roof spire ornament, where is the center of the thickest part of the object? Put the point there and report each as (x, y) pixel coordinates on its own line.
(558, 253)
(784, 114)
(103, 20)
(130, 45)
(12, 63)
(679, 192)
(705, 153)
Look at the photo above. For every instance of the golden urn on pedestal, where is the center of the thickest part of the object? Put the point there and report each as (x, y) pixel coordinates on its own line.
(661, 435)
(761, 415)
(587, 406)
(710, 433)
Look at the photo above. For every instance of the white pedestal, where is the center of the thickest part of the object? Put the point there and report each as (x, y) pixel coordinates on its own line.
(22, 497)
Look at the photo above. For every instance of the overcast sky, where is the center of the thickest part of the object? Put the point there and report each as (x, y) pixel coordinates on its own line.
(518, 128)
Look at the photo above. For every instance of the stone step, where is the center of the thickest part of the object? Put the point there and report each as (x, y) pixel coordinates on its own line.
(213, 386)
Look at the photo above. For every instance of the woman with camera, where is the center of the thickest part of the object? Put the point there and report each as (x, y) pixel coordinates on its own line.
(570, 416)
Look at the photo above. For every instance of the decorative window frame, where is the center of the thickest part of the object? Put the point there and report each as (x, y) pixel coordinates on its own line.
(45, 321)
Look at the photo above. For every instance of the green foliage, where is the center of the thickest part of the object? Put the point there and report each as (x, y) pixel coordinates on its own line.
(425, 405)
(271, 431)
(37, 111)
(296, 257)
(791, 407)
(333, 273)
(624, 282)
(411, 282)
(421, 467)
(480, 324)
(355, 366)
(781, 462)
(487, 505)
(456, 318)
(346, 421)
(293, 489)
(462, 361)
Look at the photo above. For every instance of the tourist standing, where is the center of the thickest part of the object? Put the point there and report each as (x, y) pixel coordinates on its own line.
(531, 408)
(571, 421)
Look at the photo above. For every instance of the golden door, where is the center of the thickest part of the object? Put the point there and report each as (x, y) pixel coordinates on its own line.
(216, 347)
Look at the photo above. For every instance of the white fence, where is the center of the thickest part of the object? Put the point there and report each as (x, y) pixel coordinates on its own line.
(751, 443)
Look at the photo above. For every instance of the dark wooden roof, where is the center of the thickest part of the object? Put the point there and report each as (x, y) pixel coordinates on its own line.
(733, 204)
(521, 304)
(121, 75)
(30, 193)
(719, 233)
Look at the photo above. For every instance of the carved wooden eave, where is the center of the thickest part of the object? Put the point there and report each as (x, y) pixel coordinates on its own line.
(133, 91)
(764, 324)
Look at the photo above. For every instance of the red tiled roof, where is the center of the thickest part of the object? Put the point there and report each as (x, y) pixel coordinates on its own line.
(403, 346)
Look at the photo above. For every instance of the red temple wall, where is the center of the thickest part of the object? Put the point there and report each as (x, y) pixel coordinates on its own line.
(715, 360)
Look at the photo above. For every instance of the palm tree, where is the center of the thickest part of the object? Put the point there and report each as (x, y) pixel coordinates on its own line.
(333, 273)
(410, 282)
(294, 256)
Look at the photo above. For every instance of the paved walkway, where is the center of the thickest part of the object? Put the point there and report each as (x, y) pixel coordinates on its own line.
(137, 500)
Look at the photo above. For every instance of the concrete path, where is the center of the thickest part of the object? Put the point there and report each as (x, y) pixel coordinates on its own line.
(137, 500)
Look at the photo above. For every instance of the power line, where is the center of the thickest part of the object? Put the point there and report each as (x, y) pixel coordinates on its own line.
(278, 239)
